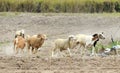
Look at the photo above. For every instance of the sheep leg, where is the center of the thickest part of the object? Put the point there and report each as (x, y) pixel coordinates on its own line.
(54, 49)
(14, 45)
(28, 49)
(69, 51)
(81, 51)
(84, 51)
(52, 53)
(16, 50)
(22, 51)
(78, 50)
(39, 49)
(33, 50)
(116, 51)
(93, 51)
(23, 48)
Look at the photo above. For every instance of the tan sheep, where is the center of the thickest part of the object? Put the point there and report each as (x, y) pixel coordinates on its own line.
(35, 42)
(19, 43)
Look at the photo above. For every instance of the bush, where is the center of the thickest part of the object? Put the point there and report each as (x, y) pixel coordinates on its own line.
(70, 6)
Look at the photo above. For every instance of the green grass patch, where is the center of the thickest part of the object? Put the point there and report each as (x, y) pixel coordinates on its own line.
(99, 46)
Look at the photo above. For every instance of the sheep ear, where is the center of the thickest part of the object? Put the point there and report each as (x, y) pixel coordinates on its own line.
(70, 38)
(39, 38)
(102, 32)
(15, 36)
(95, 35)
(23, 31)
(45, 37)
(39, 35)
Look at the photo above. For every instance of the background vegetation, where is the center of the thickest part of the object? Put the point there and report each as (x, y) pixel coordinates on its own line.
(69, 6)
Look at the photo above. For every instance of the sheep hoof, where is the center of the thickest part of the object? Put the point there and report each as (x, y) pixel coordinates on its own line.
(37, 56)
(91, 54)
(69, 55)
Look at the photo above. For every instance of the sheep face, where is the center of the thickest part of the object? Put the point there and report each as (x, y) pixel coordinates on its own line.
(98, 36)
(72, 41)
(72, 38)
(101, 36)
(20, 33)
(43, 36)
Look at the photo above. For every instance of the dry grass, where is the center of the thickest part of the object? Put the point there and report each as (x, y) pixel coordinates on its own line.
(69, 6)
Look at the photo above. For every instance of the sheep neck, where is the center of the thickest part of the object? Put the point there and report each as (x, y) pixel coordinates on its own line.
(40, 41)
(94, 44)
(95, 38)
(69, 43)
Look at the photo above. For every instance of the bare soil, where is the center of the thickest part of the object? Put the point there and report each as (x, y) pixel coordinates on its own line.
(56, 26)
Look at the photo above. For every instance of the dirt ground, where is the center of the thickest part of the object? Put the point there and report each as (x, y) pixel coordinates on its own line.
(56, 26)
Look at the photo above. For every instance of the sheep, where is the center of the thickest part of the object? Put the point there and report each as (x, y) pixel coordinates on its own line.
(19, 43)
(20, 33)
(89, 41)
(35, 42)
(64, 44)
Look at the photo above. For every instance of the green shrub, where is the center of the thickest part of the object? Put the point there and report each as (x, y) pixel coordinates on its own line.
(70, 6)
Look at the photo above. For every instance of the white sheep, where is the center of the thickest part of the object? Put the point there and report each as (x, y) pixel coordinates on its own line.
(20, 33)
(88, 41)
(64, 44)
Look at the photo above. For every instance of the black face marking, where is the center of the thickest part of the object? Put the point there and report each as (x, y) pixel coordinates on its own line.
(15, 36)
(95, 35)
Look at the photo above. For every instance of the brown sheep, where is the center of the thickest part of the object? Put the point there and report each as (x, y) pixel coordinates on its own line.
(35, 42)
(19, 43)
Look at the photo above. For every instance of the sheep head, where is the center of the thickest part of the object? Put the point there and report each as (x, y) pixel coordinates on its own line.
(71, 37)
(42, 36)
(95, 37)
(101, 36)
(20, 33)
(72, 41)
(98, 36)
